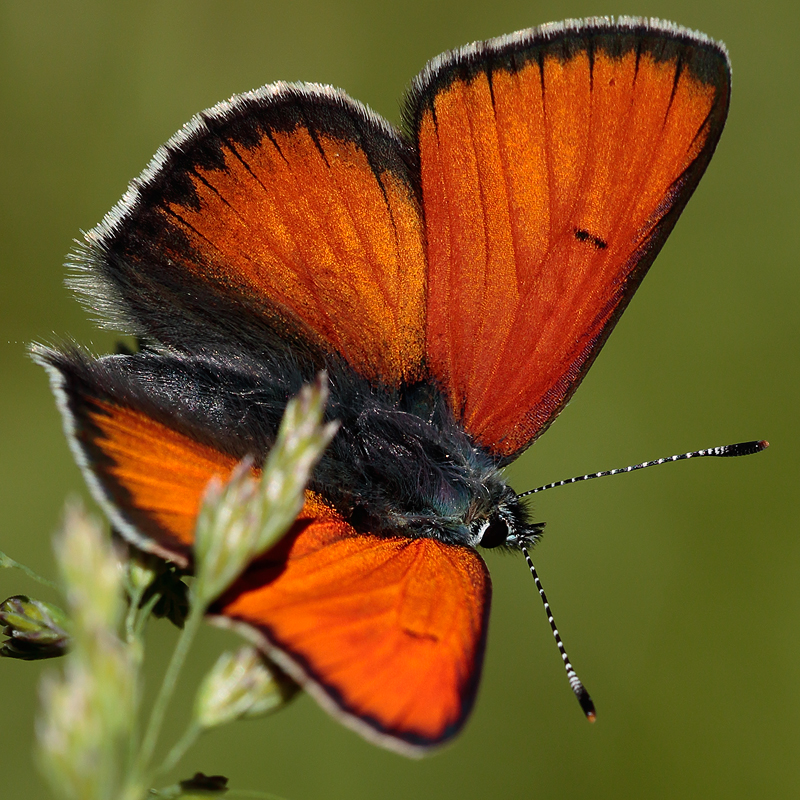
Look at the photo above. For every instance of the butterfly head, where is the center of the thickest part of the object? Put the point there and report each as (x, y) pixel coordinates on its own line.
(494, 518)
(506, 527)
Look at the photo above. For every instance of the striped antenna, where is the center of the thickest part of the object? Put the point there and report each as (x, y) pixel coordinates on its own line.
(726, 451)
(574, 681)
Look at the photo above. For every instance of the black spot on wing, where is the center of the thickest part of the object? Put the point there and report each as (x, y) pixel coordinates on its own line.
(583, 235)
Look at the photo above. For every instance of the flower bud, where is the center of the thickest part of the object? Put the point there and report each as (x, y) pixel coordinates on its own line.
(36, 629)
(86, 723)
(91, 572)
(242, 685)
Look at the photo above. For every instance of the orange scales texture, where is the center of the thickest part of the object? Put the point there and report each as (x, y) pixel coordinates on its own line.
(163, 472)
(305, 223)
(392, 628)
(538, 193)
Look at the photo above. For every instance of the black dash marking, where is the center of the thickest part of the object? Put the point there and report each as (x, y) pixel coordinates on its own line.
(584, 236)
(490, 80)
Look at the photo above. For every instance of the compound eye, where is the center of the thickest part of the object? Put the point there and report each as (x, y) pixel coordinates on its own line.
(495, 533)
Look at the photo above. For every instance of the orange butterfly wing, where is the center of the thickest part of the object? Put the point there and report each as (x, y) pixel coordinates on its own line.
(386, 632)
(283, 217)
(148, 474)
(554, 163)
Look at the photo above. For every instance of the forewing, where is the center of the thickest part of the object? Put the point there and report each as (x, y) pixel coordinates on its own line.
(386, 632)
(554, 163)
(284, 216)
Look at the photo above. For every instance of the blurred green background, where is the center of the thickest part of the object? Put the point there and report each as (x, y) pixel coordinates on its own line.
(675, 589)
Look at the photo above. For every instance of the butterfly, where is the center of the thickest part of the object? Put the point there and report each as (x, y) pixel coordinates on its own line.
(455, 280)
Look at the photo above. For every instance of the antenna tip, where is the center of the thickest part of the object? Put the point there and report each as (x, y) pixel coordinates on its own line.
(586, 704)
(744, 448)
